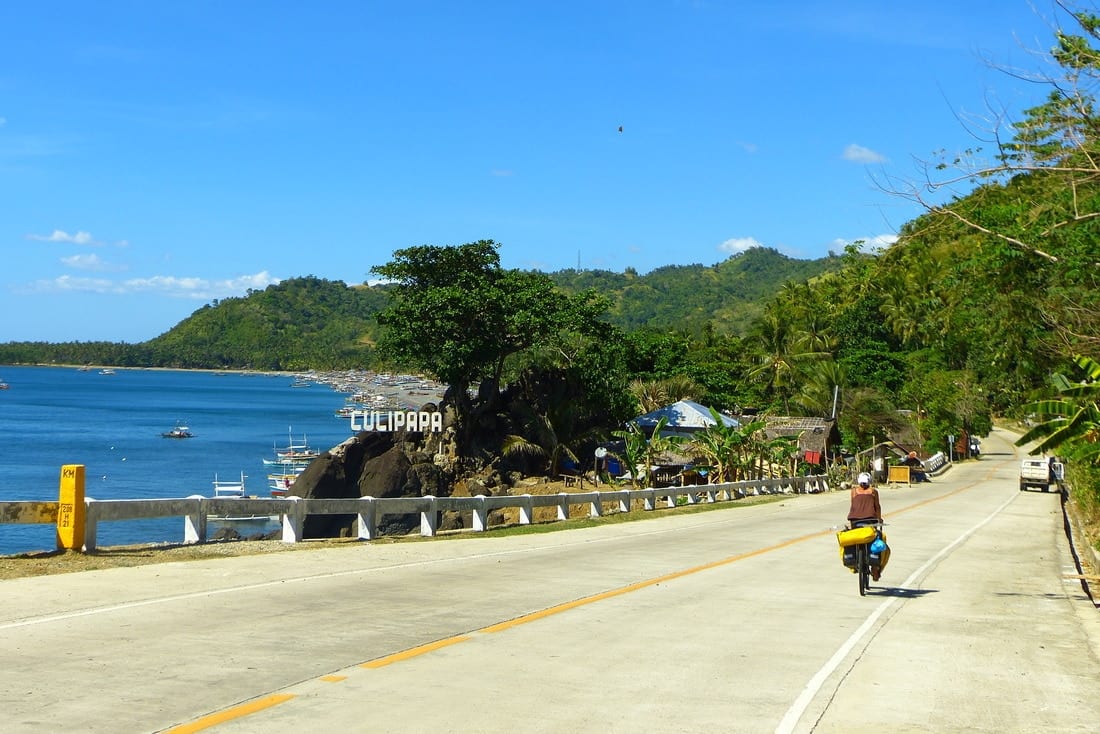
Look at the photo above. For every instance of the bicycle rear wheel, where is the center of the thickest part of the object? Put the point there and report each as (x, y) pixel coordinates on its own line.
(863, 563)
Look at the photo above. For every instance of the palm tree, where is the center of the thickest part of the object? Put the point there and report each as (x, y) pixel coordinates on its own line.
(784, 353)
(543, 444)
(822, 381)
(552, 436)
(655, 394)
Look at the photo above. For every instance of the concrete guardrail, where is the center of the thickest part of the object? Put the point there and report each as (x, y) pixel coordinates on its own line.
(198, 511)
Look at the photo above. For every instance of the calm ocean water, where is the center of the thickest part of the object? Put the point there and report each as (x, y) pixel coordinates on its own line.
(111, 424)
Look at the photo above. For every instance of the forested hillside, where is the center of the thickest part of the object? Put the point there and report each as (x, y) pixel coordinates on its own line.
(728, 296)
(311, 323)
(298, 324)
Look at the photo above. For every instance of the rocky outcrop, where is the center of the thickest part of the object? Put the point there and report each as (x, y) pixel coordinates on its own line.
(413, 464)
(375, 464)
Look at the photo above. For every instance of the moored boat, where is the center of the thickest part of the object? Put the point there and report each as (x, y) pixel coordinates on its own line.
(180, 431)
(229, 488)
(234, 489)
(279, 481)
(294, 453)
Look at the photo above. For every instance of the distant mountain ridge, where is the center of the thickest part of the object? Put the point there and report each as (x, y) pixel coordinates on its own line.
(685, 297)
(309, 322)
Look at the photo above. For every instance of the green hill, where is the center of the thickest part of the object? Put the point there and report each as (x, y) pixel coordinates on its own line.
(312, 323)
(685, 297)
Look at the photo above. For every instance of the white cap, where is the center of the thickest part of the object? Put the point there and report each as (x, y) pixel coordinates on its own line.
(863, 478)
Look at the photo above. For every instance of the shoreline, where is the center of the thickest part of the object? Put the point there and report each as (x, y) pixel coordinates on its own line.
(90, 367)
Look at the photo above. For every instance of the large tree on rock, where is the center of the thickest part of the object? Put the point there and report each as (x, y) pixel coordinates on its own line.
(457, 315)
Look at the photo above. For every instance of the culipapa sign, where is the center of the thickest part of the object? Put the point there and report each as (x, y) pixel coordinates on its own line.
(396, 420)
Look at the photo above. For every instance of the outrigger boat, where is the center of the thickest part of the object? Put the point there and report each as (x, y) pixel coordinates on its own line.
(234, 490)
(294, 453)
(180, 431)
(280, 481)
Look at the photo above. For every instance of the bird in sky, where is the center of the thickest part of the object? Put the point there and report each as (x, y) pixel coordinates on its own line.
(620, 128)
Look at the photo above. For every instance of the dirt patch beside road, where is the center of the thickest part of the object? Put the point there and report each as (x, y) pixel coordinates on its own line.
(45, 564)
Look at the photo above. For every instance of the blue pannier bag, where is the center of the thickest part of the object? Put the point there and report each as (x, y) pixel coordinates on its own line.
(878, 546)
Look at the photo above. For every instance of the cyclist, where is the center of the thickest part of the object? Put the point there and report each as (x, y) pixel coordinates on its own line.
(865, 509)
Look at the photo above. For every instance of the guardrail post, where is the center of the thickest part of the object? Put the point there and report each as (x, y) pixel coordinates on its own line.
(563, 506)
(429, 518)
(624, 500)
(91, 519)
(649, 497)
(526, 510)
(479, 515)
(595, 507)
(70, 508)
(194, 524)
(366, 519)
(293, 519)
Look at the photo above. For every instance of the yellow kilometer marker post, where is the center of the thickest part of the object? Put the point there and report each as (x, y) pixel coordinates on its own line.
(70, 508)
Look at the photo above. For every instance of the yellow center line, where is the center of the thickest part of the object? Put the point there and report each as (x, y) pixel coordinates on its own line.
(686, 572)
(642, 584)
(413, 652)
(273, 700)
(236, 712)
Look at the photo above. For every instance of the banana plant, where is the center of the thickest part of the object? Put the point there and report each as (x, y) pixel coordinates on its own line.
(1070, 424)
(642, 451)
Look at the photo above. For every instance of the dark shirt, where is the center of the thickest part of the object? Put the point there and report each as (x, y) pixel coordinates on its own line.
(865, 505)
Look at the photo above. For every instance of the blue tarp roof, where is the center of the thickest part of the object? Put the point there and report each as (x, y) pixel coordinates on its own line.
(685, 414)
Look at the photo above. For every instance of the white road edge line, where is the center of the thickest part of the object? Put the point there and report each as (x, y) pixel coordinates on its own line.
(46, 619)
(794, 714)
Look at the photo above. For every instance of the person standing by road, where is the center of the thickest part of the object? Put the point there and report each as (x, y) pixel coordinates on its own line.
(916, 468)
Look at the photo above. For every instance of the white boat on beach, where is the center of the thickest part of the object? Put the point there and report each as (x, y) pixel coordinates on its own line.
(279, 481)
(235, 489)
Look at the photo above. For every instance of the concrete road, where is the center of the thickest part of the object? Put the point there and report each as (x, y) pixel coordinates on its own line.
(737, 620)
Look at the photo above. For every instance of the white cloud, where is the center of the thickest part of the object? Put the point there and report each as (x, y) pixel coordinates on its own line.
(880, 241)
(80, 238)
(859, 154)
(875, 243)
(739, 244)
(169, 286)
(89, 262)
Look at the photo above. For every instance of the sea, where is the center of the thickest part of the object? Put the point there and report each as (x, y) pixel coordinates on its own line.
(112, 424)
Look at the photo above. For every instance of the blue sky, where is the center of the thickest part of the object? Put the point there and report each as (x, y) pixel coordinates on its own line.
(157, 155)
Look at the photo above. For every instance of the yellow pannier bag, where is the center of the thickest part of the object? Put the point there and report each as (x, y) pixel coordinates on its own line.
(856, 536)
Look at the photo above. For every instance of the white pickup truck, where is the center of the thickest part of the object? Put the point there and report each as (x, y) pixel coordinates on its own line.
(1040, 473)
